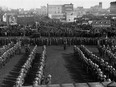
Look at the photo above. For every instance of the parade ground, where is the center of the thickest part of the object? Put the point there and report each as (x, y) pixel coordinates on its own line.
(60, 63)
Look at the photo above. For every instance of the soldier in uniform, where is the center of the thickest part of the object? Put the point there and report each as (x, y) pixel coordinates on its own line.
(42, 79)
(48, 79)
(27, 49)
(65, 44)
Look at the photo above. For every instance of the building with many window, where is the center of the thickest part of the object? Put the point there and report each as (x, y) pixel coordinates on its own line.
(55, 11)
(67, 8)
(101, 23)
(113, 8)
(62, 12)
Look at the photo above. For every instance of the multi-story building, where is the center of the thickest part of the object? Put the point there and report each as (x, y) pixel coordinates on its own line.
(61, 12)
(67, 8)
(70, 16)
(113, 8)
(55, 11)
(101, 23)
(98, 10)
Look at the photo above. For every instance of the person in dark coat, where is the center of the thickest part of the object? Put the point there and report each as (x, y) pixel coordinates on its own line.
(65, 44)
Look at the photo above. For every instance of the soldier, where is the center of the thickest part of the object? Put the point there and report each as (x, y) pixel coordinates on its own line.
(48, 79)
(1, 62)
(65, 44)
(27, 49)
(35, 83)
(42, 79)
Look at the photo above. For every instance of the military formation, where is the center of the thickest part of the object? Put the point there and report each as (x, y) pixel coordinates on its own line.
(108, 52)
(97, 67)
(52, 41)
(49, 30)
(25, 68)
(8, 51)
(40, 77)
(100, 69)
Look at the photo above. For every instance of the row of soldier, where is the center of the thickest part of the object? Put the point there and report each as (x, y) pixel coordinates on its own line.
(40, 72)
(69, 33)
(4, 58)
(64, 30)
(90, 67)
(106, 52)
(54, 33)
(25, 68)
(5, 41)
(59, 41)
(107, 69)
(52, 41)
(54, 30)
(6, 47)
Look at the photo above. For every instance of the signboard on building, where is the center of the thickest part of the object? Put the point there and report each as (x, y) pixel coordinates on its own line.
(24, 19)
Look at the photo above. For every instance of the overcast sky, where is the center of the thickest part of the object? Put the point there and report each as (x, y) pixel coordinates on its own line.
(27, 4)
